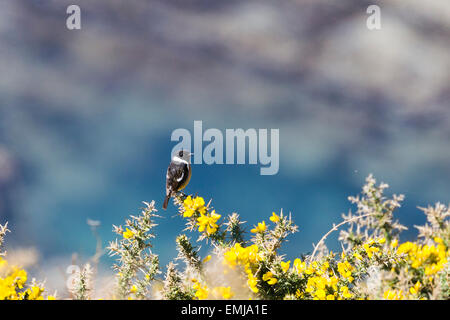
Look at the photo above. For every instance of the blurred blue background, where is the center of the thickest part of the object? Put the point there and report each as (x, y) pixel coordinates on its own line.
(86, 115)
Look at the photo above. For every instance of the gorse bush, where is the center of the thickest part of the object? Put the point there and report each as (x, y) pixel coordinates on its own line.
(372, 264)
(13, 280)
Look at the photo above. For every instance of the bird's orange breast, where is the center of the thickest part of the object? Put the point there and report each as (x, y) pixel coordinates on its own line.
(186, 181)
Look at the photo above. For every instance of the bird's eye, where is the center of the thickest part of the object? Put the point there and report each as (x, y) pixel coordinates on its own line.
(181, 153)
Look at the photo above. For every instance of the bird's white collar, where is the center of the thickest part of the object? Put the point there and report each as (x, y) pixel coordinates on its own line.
(179, 160)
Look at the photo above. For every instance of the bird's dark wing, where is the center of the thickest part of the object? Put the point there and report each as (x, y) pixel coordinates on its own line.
(176, 175)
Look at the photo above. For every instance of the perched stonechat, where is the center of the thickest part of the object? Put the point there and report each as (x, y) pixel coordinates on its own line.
(178, 174)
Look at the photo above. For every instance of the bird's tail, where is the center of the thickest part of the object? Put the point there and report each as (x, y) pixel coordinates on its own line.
(166, 201)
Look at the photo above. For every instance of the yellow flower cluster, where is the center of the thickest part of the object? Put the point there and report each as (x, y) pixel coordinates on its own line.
(201, 292)
(191, 205)
(14, 280)
(299, 266)
(34, 293)
(322, 288)
(370, 249)
(239, 255)
(394, 295)
(195, 208)
(285, 265)
(415, 289)
(269, 278)
(345, 270)
(12, 284)
(322, 281)
(207, 222)
(261, 226)
(247, 257)
(429, 257)
(223, 292)
(252, 282)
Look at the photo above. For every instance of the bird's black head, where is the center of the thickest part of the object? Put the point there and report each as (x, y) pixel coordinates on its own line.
(183, 154)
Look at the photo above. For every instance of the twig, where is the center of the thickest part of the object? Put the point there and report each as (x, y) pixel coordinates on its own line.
(335, 227)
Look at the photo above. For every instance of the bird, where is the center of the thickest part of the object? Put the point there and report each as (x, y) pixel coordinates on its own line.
(178, 174)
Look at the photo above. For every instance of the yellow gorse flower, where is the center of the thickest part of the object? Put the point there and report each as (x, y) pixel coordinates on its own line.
(34, 293)
(370, 249)
(274, 218)
(261, 227)
(192, 205)
(3, 263)
(345, 292)
(345, 269)
(394, 243)
(299, 266)
(415, 290)
(438, 240)
(244, 256)
(201, 292)
(207, 223)
(285, 265)
(318, 286)
(393, 295)
(224, 292)
(357, 256)
(128, 234)
(269, 278)
(252, 282)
